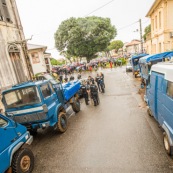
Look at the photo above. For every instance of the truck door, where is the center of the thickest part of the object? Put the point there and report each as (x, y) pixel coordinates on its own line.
(159, 96)
(49, 97)
(167, 108)
(152, 93)
(8, 135)
(59, 91)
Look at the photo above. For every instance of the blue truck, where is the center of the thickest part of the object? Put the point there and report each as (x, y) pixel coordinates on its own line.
(159, 96)
(41, 104)
(14, 156)
(135, 63)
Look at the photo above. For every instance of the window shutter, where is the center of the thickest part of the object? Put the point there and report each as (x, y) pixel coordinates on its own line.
(1, 11)
(5, 10)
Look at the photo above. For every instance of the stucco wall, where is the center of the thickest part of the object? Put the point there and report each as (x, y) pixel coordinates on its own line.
(160, 35)
(170, 15)
(11, 32)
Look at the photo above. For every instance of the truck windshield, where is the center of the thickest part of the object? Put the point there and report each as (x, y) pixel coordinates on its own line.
(22, 97)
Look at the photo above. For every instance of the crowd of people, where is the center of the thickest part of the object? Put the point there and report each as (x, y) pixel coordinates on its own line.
(91, 66)
(91, 87)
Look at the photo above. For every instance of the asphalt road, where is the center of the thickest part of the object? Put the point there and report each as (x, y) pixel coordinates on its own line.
(115, 137)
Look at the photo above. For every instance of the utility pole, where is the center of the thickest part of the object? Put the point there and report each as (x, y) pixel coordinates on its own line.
(140, 26)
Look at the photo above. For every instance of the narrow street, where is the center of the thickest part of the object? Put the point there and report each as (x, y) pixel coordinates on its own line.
(115, 137)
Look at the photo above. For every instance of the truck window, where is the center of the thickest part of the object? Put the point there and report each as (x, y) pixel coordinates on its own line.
(170, 89)
(22, 97)
(45, 90)
(51, 87)
(3, 122)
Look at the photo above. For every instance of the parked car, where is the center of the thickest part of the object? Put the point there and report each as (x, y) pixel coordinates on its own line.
(159, 96)
(129, 66)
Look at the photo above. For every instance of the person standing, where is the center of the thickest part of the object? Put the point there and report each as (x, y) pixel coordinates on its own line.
(71, 78)
(94, 93)
(102, 77)
(97, 79)
(84, 89)
(90, 79)
(110, 64)
(65, 79)
(115, 63)
(79, 76)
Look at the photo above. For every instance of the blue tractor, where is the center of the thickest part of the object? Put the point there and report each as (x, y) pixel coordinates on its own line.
(14, 156)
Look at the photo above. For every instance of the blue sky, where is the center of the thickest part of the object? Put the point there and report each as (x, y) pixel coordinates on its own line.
(41, 18)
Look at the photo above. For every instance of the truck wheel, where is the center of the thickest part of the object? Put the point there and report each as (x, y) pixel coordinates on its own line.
(33, 132)
(62, 122)
(76, 106)
(23, 161)
(166, 143)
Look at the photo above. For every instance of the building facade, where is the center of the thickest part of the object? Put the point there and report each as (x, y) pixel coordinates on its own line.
(47, 58)
(161, 38)
(14, 67)
(37, 58)
(148, 44)
(134, 47)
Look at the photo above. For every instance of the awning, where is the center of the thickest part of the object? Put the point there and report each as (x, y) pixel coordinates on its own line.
(139, 56)
(155, 57)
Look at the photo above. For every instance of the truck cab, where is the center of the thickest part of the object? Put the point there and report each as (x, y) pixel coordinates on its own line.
(159, 96)
(13, 156)
(135, 63)
(41, 104)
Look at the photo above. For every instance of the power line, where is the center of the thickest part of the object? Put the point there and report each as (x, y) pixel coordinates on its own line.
(99, 8)
(127, 26)
(117, 30)
(146, 21)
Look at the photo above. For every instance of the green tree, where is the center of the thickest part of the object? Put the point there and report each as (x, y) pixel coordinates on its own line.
(84, 37)
(53, 61)
(60, 62)
(146, 31)
(117, 44)
(57, 62)
(66, 55)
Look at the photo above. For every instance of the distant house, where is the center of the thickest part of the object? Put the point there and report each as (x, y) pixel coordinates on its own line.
(161, 37)
(133, 47)
(124, 48)
(120, 52)
(40, 61)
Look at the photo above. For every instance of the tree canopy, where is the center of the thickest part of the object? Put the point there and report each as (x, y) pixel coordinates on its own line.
(84, 37)
(57, 62)
(117, 44)
(147, 31)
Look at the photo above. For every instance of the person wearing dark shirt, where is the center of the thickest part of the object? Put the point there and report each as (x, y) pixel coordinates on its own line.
(97, 79)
